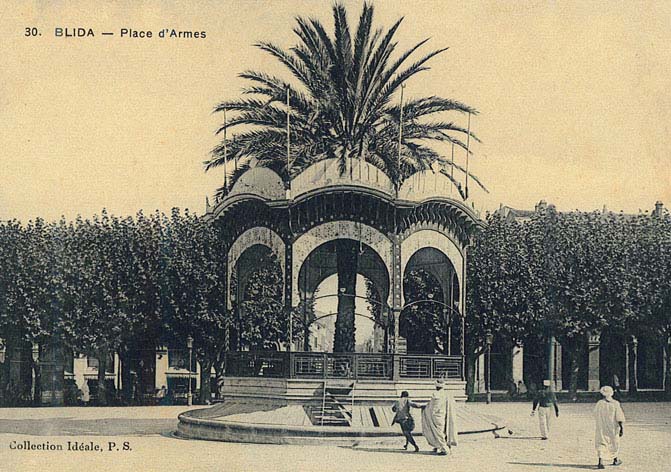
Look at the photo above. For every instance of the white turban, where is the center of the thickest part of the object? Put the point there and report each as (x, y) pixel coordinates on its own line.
(607, 391)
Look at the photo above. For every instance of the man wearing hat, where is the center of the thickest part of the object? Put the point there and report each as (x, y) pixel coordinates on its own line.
(439, 424)
(609, 419)
(544, 400)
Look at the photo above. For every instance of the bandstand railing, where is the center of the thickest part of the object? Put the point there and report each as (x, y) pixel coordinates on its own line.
(356, 366)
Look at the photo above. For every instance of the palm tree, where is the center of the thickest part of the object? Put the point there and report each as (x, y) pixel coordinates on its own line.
(343, 104)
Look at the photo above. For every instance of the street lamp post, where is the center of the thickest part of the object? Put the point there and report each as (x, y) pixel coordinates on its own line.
(189, 345)
(490, 340)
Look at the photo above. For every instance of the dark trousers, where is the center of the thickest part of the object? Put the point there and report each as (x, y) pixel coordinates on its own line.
(408, 436)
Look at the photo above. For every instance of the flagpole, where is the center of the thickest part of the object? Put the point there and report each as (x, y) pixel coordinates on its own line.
(468, 146)
(400, 137)
(288, 308)
(452, 170)
(225, 157)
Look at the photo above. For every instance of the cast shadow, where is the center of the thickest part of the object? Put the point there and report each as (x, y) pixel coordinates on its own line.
(543, 464)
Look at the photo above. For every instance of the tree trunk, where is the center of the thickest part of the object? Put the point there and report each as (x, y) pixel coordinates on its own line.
(633, 370)
(37, 382)
(5, 372)
(667, 374)
(573, 352)
(470, 377)
(102, 369)
(220, 372)
(347, 255)
(471, 360)
(126, 377)
(205, 397)
(550, 371)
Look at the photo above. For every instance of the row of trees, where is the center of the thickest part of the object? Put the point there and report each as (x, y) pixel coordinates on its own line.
(569, 275)
(127, 285)
(109, 284)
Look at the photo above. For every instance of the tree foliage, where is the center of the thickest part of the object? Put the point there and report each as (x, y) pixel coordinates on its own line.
(344, 103)
(568, 275)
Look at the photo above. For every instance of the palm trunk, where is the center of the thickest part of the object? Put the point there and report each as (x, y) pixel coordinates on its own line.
(347, 266)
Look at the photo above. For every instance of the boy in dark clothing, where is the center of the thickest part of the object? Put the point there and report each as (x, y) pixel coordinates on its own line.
(405, 419)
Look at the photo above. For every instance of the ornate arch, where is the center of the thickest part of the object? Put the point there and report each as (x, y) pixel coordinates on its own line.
(437, 240)
(259, 235)
(318, 235)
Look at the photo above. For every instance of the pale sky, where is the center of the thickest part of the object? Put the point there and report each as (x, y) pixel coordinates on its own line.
(573, 97)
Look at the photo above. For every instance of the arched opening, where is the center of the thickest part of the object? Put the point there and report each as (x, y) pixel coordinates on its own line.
(371, 331)
(430, 322)
(348, 279)
(256, 296)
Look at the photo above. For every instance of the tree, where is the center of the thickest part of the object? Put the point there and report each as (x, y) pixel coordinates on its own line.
(423, 325)
(499, 289)
(24, 304)
(193, 275)
(94, 304)
(653, 266)
(264, 323)
(341, 106)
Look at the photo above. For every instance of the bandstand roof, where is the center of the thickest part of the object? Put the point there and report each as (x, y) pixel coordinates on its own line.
(361, 182)
(259, 181)
(426, 184)
(326, 173)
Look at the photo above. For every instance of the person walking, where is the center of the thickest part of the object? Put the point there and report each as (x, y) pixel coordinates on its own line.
(405, 419)
(439, 420)
(545, 399)
(609, 419)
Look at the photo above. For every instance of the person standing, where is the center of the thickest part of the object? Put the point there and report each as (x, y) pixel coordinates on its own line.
(439, 424)
(609, 419)
(616, 386)
(405, 419)
(545, 399)
(84, 393)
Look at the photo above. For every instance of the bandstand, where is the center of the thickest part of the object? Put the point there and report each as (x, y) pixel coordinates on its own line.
(329, 222)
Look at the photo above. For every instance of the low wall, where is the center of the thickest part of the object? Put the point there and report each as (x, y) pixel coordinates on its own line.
(308, 390)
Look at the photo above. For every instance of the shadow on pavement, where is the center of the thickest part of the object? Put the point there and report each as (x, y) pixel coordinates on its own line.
(394, 451)
(537, 438)
(88, 427)
(566, 466)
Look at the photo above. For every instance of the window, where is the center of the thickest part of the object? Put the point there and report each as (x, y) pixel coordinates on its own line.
(179, 359)
(93, 363)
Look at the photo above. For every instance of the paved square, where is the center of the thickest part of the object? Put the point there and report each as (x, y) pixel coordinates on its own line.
(147, 432)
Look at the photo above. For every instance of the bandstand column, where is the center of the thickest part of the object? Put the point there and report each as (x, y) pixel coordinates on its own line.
(396, 290)
(288, 291)
(594, 345)
(462, 311)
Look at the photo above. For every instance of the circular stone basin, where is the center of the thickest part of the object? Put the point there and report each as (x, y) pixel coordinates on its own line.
(268, 423)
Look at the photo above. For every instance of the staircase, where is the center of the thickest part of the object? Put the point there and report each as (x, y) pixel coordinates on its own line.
(336, 408)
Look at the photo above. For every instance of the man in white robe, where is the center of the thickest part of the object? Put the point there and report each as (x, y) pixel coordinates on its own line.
(439, 420)
(609, 419)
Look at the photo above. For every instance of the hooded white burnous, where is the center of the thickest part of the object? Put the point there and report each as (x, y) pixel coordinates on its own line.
(607, 414)
(439, 424)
